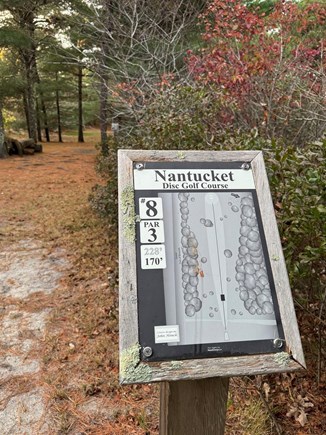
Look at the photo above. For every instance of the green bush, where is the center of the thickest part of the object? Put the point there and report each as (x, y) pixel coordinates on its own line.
(104, 197)
(183, 117)
(297, 180)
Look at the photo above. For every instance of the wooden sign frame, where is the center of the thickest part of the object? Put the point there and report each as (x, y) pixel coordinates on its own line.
(133, 369)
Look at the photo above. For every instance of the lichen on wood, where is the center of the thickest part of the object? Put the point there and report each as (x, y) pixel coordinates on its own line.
(282, 358)
(129, 216)
(175, 365)
(131, 369)
(181, 155)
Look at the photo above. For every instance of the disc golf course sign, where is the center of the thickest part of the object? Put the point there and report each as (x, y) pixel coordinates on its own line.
(204, 291)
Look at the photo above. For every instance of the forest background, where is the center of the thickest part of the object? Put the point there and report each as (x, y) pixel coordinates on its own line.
(190, 74)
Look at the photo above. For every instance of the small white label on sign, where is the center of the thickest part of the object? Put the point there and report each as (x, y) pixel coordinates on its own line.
(151, 231)
(150, 208)
(152, 257)
(167, 334)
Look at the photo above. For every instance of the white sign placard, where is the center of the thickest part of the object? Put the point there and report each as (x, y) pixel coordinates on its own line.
(194, 179)
(153, 257)
(167, 334)
(150, 208)
(151, 231)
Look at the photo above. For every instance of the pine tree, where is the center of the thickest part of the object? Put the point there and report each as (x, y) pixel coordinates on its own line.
(35, 20)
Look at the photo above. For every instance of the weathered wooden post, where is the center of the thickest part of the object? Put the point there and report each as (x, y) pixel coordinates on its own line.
(193, 407)
(204, 292)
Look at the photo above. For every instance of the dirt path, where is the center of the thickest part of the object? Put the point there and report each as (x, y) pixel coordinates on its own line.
(26, 267)
(58, 312)
(31, 268)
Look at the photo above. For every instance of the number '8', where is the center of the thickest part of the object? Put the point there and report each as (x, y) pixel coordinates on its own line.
(151, 208)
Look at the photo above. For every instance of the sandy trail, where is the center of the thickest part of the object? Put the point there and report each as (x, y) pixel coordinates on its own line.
(32, 267)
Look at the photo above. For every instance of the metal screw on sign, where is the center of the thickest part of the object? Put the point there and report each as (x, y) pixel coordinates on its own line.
(139, 166)
(278, 343)
(147, 351)
(245, 166)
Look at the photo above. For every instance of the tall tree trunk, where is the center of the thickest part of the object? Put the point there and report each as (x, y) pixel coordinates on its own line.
(26, 113)
(43, 107)
(58, 108)
(3, 149)
(104, 114)
(45, 118)
(80, 104)
(30, 93)
(104, 79)
(38, 122)
(28, 56)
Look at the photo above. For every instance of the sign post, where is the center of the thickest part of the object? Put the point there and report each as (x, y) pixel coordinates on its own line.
(194, 407)
(204, 292)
